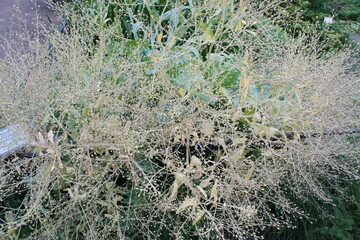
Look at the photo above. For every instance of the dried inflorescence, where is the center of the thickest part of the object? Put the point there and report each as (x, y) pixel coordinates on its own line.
(197, 136)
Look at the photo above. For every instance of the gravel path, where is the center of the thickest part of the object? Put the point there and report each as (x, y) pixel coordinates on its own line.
(13, 12)
(356, 37)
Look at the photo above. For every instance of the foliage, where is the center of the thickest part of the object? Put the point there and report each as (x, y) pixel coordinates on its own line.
(172, 120)
(308, 16)
(339, 219)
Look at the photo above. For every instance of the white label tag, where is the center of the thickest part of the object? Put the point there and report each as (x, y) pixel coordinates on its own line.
(328, 20)
(12, 138)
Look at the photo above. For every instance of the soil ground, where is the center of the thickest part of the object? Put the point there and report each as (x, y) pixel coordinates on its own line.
(17, 16)
(356, 37)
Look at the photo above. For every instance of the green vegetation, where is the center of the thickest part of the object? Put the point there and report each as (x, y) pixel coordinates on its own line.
(180, 119)
(339, 219)
(304, 16)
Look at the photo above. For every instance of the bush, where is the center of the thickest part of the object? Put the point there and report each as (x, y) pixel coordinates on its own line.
(172, 120)
(308, 16)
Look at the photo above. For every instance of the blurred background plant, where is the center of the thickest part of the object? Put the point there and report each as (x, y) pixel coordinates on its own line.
(309, 15)
(176, 120)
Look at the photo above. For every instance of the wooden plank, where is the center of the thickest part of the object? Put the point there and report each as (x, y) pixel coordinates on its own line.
(12, 139)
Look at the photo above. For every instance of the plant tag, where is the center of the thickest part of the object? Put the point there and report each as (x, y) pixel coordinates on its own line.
(12, 139)
(328, 20)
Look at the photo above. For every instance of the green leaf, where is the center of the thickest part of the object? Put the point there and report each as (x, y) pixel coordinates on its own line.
(46, 119)
(167, 15)
(180, 32)
(132, 45)
(154, 15)
(85, 112)
(347, 236)
(182, 92)
(209, 35)
(203, 97)
(146, 166)
(345, 223)
(230, 78)
(48, 18)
